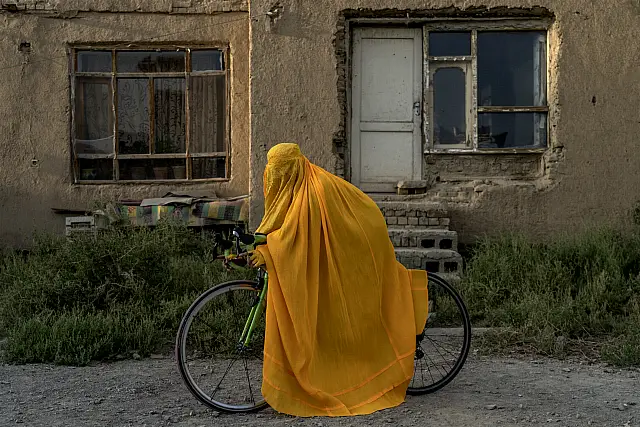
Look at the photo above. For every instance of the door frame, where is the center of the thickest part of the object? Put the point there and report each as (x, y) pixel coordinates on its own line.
(353, 99)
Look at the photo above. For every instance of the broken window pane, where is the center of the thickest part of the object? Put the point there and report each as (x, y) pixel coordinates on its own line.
(449, 43)
(170, 115)
(93, 116)
(512, 68)
(133, 116)
(449, 106)
(95, 169)
(206, 60)
(512, 130)
(203, 167)
(157, 169)
(150, 62)
(94, 61)
(208, 111)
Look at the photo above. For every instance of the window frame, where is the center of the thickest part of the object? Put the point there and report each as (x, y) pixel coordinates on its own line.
(474, 109)
(113, 75)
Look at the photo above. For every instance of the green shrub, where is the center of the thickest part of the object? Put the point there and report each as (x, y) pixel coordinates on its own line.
(77, 337)
(80, 299)
(574, 288)
(624, 350)
(71, 301)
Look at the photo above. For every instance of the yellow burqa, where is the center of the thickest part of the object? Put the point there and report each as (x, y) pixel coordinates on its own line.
(340, 321)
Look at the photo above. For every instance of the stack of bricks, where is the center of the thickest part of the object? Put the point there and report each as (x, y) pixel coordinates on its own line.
(420, 234)
(414, 215)
(142, 6)
(208, 6)
(409, 220)
(433, 260)
(424, 239)
(27, 5)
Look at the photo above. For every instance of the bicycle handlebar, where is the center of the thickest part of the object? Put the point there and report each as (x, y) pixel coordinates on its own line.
(234, 256)
(243, 243)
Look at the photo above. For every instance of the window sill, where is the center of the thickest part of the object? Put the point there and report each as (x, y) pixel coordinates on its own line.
(150, 181)
(486, 151)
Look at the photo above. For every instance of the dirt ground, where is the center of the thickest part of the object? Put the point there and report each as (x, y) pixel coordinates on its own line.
(488, 392)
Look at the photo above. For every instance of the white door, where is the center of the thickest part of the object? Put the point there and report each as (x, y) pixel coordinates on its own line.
(386, 140)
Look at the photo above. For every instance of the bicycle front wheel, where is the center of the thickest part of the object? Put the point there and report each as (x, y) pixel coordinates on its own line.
(442, 348)
(218, 370)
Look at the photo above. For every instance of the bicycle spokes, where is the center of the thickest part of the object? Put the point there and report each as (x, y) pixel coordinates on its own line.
(220, 348)
(442, 348)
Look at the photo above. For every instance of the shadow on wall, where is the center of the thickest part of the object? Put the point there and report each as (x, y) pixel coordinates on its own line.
(28, 195)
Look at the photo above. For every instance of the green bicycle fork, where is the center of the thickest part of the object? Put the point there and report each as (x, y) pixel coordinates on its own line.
(252, 320)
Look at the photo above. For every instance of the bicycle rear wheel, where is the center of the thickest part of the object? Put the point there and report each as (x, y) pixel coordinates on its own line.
(217, 370)
(442, 348)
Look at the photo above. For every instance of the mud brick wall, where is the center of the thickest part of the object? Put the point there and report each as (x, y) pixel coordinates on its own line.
(466, 167)
(415, 218)
(144, 6)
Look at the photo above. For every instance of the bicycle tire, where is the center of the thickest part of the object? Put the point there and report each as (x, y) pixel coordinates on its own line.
(462, 357)
(181, 339)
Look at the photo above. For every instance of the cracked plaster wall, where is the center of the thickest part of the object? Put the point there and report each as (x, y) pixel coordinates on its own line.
(35, 104)
(297, 85)
(588, 175)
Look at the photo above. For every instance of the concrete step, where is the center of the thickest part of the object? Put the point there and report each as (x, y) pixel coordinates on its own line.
(422, 208)
(434, 260)
(414, 214)
(436, 238)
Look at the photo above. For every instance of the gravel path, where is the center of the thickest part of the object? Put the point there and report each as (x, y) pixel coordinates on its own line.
(488, 392)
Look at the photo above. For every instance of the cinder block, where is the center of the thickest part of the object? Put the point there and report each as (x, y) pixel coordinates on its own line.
(434, 260)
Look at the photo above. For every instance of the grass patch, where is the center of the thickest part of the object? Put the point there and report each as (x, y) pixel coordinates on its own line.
(71, 301)
(555, 296)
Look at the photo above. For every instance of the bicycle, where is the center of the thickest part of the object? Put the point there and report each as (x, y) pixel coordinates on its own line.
(234, 329)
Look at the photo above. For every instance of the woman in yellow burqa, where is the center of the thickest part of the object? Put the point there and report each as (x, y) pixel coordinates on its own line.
(341, 324)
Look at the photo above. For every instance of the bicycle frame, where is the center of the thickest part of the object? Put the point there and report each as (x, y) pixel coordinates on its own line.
(234, 257)
(254, 314)
(258, 306)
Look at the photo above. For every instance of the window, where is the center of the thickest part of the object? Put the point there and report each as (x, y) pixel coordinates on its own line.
(142, 115)
(486, 88)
